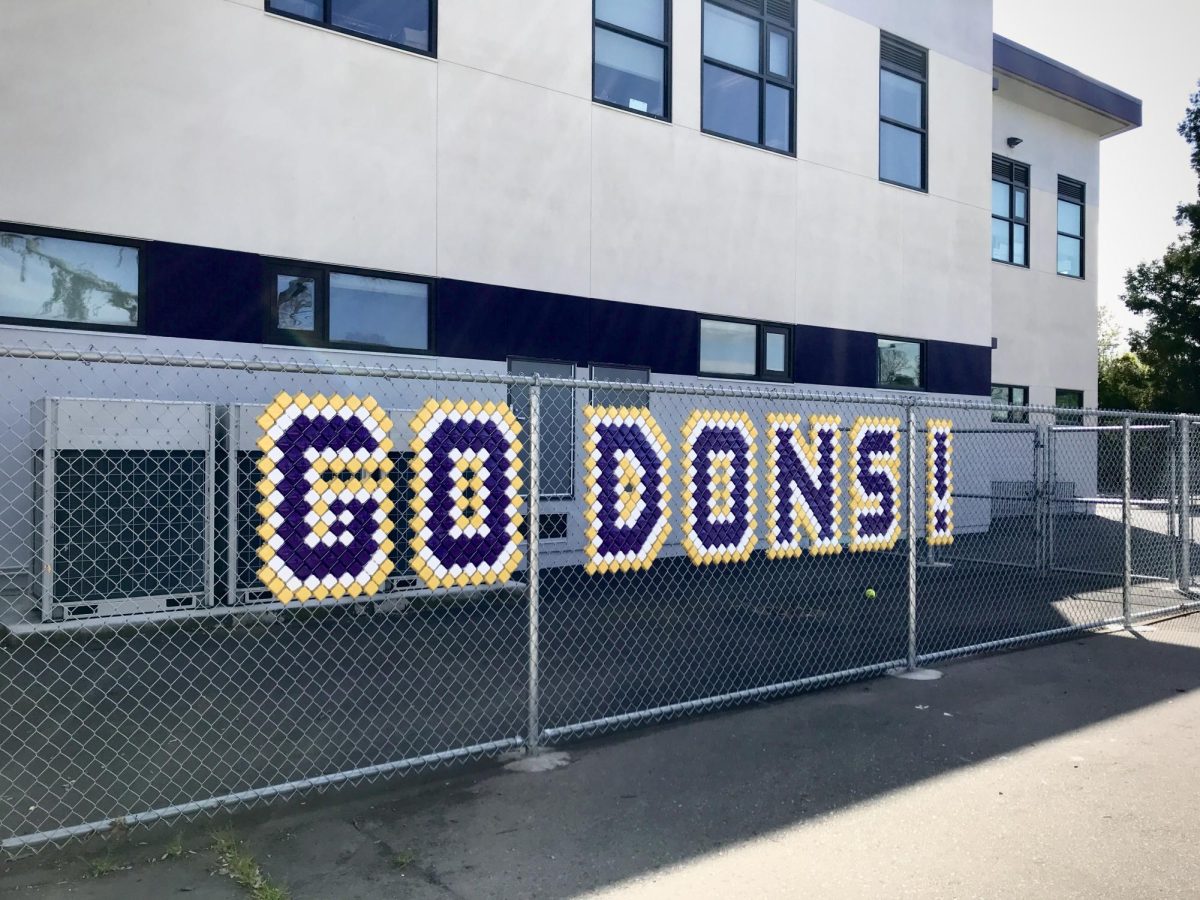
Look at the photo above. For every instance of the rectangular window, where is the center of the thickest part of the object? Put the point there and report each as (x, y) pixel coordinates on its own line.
(1010, 395)
(620, 396)
(901, 363)
(60, 278)
(731, 348)
(355, 309)
(748, 71)
(1068, 398)
(903, 112)
(1010, 211)
(552, 526)
(557, 424)
(1071, 209)
(632, 55)
(409, 24)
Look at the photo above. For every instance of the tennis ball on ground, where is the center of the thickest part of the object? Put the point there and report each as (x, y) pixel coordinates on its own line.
(870, 593)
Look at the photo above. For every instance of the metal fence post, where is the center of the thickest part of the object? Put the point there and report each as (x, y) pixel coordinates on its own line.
(1185, 505)
(533, 443)
(911, 528)
(1172, 498)
(1041, 524)
(1127, 567)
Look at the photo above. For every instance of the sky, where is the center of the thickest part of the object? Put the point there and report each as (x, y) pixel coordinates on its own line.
(1148, 48)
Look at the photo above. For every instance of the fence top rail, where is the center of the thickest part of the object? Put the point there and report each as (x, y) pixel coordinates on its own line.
(900, 398)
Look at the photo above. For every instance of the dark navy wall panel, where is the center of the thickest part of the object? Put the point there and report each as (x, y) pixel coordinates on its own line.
(485, 321)
(952, 368)
(627, 334)
(834, 356)
(203, 293)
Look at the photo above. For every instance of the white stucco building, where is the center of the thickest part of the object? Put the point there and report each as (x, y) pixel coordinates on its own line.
(878, 195)
(568, 181)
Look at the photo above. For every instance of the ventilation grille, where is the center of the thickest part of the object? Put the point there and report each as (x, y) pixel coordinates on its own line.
(1070, 189)
(782, 9)
(902, 56)
(1008, 170)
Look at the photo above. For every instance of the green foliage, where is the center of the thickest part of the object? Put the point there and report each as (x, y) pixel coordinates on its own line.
(1165, 370)
(243, 868)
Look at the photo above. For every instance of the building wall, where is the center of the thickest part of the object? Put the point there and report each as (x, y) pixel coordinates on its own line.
(1045, 323)
(215, 124)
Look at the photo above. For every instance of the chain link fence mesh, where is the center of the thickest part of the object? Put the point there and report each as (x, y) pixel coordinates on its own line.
(685, 547)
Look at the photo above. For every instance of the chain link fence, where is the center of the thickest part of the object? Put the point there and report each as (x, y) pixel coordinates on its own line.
(655, 550)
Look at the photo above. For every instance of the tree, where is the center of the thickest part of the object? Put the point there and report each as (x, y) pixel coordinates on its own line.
(1167, 292)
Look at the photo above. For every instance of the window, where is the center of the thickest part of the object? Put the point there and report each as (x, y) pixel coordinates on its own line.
(552, 526)
(737, 349)
(1010, 211)
(59, 278)
(903, 112)
(901, 363)
(619, 396)
(1068, 398)
(1010, 395)
(1070, 227)
(410, 24)
(748, 71)
(632, 55)
(316, 306)
(556, 424)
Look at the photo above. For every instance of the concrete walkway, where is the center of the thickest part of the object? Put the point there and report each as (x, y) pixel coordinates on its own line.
(1067, 770)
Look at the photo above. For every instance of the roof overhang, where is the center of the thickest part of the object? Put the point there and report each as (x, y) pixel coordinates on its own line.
(1031, 79)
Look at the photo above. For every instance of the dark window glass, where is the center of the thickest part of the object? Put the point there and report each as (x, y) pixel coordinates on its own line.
(308, 9)
(778, 126)
(745, 350)
(900, 158)
(378, 312)
(552, 526)
(630, 73)
(900, 363)
(620, 396)
(1010, 395)
(749, 72)
(632, 58)
(557, 424)
(1070, 227)
(401, 23)
(69, 281)
(646, 17)
(296, 302)
(903, 101)
(317, 306)
(1068, 398)
(901, 98)
(1010, 215)
(728, 348)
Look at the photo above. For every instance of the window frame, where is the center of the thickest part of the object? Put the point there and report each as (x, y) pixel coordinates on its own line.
(508, 361)
(1011, 416)
(923, 131)
(326, 22)
(1012, 219)
(760, 347)
(1082, 236)
(320, 335)
(923, 380)
(764, 76)
(1074, 414)
(622, 366)
(86, 238)
(664, 45)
